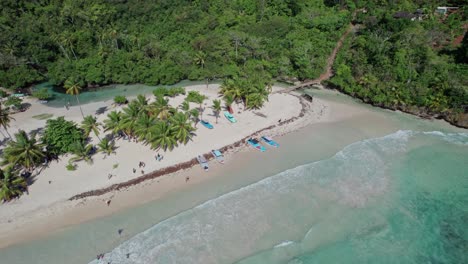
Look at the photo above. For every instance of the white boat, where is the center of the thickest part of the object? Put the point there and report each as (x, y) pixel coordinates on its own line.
(203, 162)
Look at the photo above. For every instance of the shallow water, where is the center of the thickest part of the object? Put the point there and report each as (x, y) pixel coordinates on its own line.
(108, 92)
(360, 191)
(104, 93)
(368, 203)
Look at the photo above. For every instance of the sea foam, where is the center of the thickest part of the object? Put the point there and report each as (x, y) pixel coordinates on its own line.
(232, 226)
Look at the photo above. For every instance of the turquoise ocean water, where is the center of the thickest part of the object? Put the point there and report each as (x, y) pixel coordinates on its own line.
(388, 188)
(401, 198)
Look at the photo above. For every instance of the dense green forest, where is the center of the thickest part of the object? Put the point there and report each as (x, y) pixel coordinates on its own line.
(410, 65)
(95, 42)
(389, 61)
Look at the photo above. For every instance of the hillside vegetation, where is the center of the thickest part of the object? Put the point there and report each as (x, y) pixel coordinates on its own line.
(410, 65)
(96, 42)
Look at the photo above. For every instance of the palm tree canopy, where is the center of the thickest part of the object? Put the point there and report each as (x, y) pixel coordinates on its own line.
(143, 126)
(72, 88)
(217, 105)
(113, 122)
(23, 151)
(129, 117)
(162, 108)
(106, 145)
(185, 106)
(181, 127)
(82, 152)
(89, 124)
(11, 184)
(162, 137)
(5, 118)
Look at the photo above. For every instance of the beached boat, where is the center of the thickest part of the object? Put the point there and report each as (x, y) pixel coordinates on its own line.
(218, 155)
(206, 124)
(203, 163)
(270, 141)
(229, 117)
(256, 144)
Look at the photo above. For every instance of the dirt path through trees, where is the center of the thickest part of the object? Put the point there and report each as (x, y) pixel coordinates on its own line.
(328, 70)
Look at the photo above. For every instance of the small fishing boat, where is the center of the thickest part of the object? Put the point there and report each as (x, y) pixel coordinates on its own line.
(203, 163)
(230, 117)
(256, 144)
(270, 141)
(206, 124)
(218, 156)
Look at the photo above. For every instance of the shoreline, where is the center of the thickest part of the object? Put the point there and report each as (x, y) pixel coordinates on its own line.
(35, 223)
(59, 217)
(188, 164)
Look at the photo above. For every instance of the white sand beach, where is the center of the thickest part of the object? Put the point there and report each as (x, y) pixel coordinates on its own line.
(46, 205)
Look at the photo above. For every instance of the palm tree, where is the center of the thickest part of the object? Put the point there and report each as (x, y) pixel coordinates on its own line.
(161, 108)
(162, 137)
(200, 99)
(5, 119)
(107, 146)
(228, 100)
(194, 114)
(89, 124)
(74, 89)
(81, 151)
(216, 108)
(185, 106)
(141, 103)
(11, 184)
(143, 126)
(129, 117)
(181, 127)
(200, 59)
(24, 151)
(113, 122)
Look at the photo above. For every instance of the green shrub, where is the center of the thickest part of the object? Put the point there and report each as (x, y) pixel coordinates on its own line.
(14, 101)
(42, 94)
(160, 91)
(3, 94)
(171, 92)
(120, 99)
(195, 97)
(70, 167)
(60, 135)
(174, 91)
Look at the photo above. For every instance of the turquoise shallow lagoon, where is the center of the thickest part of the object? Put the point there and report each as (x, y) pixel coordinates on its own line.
(389, 188)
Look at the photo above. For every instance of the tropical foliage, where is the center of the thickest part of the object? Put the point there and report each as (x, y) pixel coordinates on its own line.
(216, 108)
(73, 88)
(81, 151)
(106, 146)
(5, 119)
(60, 135)
(42, 94)
(11, 184)
(103, 42)
(120, 99)
(157, 123)
(89, 124)
(23, 152)
(409, 65)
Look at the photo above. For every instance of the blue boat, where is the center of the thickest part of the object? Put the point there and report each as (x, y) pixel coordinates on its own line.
(218, 155)
(206, 124)
(256, 144)
(230, 117)
(270, 141)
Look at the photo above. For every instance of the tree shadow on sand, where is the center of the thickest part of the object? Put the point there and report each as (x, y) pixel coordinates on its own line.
(101, 110)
